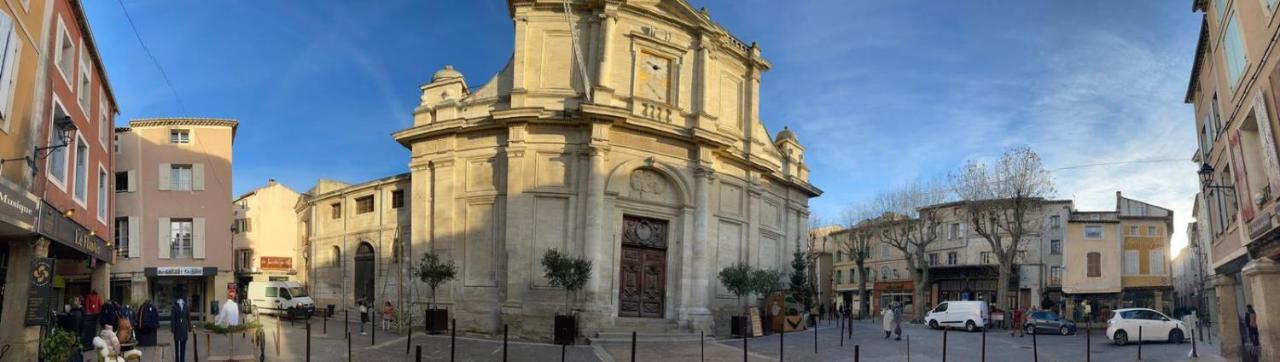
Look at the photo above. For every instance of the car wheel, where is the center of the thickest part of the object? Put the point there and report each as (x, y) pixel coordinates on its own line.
(1175, 336)
(1120, 338)
(933, 324)
(969, 326)
(1064, 331)
(1029, 329)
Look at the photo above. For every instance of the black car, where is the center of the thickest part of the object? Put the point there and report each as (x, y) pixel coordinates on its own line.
(1048, 322)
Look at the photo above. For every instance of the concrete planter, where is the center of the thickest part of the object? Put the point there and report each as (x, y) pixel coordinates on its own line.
(566, 329)
(437, 321)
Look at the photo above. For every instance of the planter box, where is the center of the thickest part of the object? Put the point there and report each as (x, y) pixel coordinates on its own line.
(739, 326)
(566, 329)
(437, 321)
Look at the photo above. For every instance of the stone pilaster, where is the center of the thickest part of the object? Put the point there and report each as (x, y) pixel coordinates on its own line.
(593, 233)
(704, 178)
(518, 214)
(1228, 327)
(1262, 275)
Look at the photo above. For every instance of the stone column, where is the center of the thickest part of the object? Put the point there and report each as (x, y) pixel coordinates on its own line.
(702, 285)
(603, 91)
(25, 340)
(1228, 317)
(593, 233)
(1261, 274)
(518, 218)
(100, 279)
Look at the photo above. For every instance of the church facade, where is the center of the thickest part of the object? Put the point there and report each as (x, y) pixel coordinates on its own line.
(627, 133)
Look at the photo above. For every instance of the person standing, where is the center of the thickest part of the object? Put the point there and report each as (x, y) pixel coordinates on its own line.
(180, 325)
(1088, 312)
(1251, 320)
(364, 315)
(886, 322)
(387, 313)
(229, 315)
(1016, 330)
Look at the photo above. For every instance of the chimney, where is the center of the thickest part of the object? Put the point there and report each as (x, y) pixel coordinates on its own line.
(271, 181)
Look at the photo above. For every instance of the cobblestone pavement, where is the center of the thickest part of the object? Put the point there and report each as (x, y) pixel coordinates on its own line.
(925, 345)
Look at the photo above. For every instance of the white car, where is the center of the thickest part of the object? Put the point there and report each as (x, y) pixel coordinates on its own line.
(970, 315)
(1123, 327)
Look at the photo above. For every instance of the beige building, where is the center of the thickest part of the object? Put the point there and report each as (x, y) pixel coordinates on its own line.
(1119, 259)
(173, 211)
(352, 243)
(629, 135)
(265, 234)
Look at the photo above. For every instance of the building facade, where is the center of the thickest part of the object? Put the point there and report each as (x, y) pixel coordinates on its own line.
(56, 114)
(629, 135)
(265, 235)
(174, 215)
(354, 243)
(1233, 86)
(1119, 259)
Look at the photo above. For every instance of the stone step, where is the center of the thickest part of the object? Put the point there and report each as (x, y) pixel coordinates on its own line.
(625, 337)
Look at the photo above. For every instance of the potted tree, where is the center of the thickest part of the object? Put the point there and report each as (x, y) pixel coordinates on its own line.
(60, 345)
(434, 271)
(570, 273)
(737, 278)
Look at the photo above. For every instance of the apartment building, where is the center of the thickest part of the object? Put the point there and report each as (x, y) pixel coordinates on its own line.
(56, 116)
(1119, 259)
(174, 215)
(1233, 86)
(265, 234)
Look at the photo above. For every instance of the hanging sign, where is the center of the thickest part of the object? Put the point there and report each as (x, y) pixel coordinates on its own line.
(41, 275)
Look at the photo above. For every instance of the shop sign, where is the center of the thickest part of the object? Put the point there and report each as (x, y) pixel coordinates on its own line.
(18, 207)
(41, 275)
(1260, 226)
(275, 263)
(179, 271)
(65, 231)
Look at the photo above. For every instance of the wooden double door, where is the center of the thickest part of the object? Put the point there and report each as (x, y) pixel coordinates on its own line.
(643, 268)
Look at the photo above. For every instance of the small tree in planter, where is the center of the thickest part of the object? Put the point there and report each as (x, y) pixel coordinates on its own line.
(801, 290)
(572, 274)
(434, 271)
(737, 278)
(60, 345)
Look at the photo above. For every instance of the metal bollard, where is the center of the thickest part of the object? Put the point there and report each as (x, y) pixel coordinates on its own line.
(856, 353)
(308, 340)
(418, 356)
(744, 348)
(1035, 349)
(348, 346)
(1088, 344)
(409, 339)
(944, 345)
(1194, 353)
(908, 348)
(841, 335)
(504, 343)
(815, 339)
(453, 340)
(562, 349)
(984, 344)
(702, 346)
(782, 345)
(346, 323)
(325, 327)
(633, 346)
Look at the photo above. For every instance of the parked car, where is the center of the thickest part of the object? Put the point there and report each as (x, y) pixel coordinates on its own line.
(970, 315)
(277, 297)
(1123, 326)
(1048, 322)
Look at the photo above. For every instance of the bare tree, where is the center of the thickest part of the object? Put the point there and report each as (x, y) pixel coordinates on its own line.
(910, 224)
(1002, 203)
(857, 242)
(814, 247)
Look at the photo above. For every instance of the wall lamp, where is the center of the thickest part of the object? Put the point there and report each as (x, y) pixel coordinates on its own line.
(1206, 179)
(65, 128)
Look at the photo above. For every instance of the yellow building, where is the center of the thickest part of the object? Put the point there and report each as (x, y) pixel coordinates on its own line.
(265, 234)
(1118, 259)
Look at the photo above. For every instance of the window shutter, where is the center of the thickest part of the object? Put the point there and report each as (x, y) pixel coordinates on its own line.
(197, 176)
(1243, 195)
(163, 240)
(1263, 119)
(1156, 264)
(164, 176)
(8, 78)
(132, 181)
(197, 238)
(1130, 262)
(135, 238)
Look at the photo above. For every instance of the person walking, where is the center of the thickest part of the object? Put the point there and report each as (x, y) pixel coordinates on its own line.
(387, 313)
(886, 322)
(180, 325)
(1017, 323)
(364, 315)
(897, 322)
(1088, 312)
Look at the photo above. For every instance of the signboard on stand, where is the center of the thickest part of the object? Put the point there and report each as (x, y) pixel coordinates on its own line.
(41, 275)
(757, 328)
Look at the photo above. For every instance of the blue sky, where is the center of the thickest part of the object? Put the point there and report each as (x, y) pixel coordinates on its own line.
(880, 92)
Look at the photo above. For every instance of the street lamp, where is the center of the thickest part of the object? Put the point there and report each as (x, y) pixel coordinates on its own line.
(1206, 179)
(65, 128)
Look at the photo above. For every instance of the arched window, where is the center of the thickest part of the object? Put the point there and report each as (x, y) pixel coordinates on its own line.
(1095, 264)
(336, 254)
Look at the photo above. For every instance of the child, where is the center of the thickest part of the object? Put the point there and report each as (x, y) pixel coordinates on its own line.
(387, 312)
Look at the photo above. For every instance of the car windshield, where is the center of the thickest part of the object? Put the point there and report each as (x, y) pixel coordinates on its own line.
(297, 292)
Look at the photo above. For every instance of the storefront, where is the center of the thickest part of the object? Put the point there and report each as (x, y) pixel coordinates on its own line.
(970, 282)
(166, 284)
(890, 293)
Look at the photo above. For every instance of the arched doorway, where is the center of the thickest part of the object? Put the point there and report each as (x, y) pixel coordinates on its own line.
(643, 268)
(364, 272)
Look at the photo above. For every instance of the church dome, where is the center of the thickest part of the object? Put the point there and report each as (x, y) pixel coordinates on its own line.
(445, 74)
(786, 134)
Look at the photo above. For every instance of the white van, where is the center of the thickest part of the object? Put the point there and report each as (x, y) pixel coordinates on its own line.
(278, 296)
(970, 315)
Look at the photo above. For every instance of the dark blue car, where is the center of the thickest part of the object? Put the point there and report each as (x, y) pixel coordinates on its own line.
(1048, 322)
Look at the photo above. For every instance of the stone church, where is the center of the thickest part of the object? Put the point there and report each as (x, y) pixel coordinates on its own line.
(627, 132)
